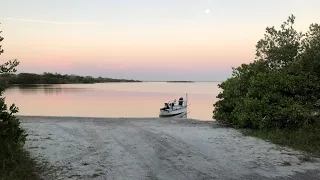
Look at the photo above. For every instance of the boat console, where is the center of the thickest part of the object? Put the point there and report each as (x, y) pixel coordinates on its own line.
(181, 101)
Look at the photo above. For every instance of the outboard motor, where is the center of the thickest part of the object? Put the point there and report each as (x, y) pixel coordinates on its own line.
(181, 101)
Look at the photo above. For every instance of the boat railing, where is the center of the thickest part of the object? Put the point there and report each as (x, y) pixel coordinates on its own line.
(175, 101)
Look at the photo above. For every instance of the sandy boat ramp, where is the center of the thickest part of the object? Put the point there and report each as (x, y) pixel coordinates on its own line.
(157, 149)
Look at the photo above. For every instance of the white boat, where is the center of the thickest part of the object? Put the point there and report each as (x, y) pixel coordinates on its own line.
(171, 109)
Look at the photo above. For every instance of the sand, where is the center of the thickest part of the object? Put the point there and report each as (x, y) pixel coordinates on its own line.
(154, 148)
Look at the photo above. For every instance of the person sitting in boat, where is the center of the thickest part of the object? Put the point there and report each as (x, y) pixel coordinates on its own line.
(166, 106)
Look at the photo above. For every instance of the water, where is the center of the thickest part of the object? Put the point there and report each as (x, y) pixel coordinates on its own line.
(112, 99)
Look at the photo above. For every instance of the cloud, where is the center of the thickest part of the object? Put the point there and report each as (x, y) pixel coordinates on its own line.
(52, 22)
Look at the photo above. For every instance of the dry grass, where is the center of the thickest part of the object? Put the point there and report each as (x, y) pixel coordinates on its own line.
(305, 139)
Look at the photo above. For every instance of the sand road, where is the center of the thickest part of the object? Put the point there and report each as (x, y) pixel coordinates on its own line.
(158, 149)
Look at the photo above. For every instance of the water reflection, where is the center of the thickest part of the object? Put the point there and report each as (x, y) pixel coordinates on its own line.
(47, 89)
(57, 91)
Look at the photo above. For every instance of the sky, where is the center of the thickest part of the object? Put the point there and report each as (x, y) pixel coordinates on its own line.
(197, 40)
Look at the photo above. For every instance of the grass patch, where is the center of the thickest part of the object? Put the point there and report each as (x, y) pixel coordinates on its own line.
(305, 139)
(17, 164)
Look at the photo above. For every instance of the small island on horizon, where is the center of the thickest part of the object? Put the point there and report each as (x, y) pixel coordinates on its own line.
(56, 78)
(180, 81)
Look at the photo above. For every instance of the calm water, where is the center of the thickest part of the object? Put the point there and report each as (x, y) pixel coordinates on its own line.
(112, 99)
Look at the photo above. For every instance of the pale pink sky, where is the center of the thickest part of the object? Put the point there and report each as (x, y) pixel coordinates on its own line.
(160, 40)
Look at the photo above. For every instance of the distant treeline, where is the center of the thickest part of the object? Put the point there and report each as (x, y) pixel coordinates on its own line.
(50, 78)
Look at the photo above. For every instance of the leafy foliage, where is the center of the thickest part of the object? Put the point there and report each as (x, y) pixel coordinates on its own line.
(9, 124)
(280, 88)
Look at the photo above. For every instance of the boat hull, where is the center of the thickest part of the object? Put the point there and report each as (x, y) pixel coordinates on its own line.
(171, 113)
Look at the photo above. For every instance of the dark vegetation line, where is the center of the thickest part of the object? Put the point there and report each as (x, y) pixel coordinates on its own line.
(277, 97)
(50, 78)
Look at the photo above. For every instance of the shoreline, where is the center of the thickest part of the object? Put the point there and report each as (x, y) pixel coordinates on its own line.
(88, 118)
(158, 148)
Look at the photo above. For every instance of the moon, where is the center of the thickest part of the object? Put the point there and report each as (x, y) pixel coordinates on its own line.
(207, 11)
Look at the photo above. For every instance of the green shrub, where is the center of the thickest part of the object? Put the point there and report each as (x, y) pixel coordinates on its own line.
(10, 132)
(280, 89)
